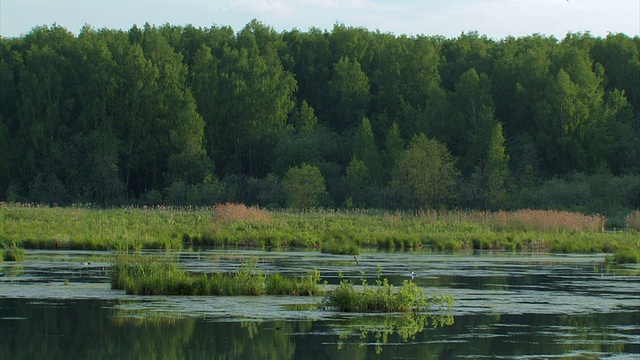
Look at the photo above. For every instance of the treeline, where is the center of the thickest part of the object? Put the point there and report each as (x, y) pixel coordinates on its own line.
(340, 118)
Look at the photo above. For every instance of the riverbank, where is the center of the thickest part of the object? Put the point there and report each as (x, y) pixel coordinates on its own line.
(233, 225)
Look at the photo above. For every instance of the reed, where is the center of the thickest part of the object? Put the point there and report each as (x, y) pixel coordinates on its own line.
(12, 253)
(632, 221)
(238, 226)
(627, 255)
(145, 275)
(231, 213)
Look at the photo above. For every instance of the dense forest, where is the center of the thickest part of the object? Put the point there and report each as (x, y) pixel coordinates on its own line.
(339, 119)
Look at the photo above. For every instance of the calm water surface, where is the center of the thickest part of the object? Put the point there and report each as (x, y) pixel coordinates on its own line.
(507, 306)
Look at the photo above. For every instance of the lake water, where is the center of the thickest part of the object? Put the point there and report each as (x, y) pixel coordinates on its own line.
(507, 306)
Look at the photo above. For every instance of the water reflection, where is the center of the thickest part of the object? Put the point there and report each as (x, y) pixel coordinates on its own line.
(508, 307)
(380, 328)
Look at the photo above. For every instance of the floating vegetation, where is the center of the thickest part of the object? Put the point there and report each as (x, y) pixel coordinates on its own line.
(141, 275)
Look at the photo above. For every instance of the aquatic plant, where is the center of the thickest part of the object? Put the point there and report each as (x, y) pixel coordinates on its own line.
(627, 255)
(145, 275)
(12, 253)
(382, 297)
(340, 248)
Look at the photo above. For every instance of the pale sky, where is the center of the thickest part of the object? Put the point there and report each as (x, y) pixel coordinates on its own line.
(494, 18)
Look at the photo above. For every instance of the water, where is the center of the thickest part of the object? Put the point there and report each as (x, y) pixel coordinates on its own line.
(526, 306)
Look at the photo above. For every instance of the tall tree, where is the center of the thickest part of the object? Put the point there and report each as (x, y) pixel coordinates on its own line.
(349, 89)
(303, 186)
(425, 174)
(364, 149)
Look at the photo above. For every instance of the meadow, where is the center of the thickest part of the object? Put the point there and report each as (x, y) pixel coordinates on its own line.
(238, 226)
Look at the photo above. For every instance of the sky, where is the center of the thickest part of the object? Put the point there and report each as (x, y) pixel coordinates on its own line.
(496, 19)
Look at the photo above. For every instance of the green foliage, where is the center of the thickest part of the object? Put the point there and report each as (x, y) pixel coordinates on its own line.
(627, 255)
(113, 117)
(425, 174)
(365, 150)
(303, 186)
(339, 247)
(12, 252)
(143, 275)
(383, 297)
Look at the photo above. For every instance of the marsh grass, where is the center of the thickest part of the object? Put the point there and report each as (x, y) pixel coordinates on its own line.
(627, 255)
(383, 297)
(232, 213)
(12, 253)
(633, 221)
(239, 226)
(339, 248)
(146, 275)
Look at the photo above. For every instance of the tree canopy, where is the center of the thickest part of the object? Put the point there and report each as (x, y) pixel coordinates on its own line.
(138, 116)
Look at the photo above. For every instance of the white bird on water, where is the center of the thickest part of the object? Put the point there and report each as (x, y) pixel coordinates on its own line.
(413, 275)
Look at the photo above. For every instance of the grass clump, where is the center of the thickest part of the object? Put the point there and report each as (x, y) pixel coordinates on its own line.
(140, 275)
(340, 248)
(627, 255)
(13, 253)
(382, 297)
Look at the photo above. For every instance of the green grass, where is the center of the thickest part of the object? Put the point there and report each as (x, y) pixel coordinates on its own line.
(12, 253)
(146, 275)
(627, 255)
(382, 297)
(340, 232)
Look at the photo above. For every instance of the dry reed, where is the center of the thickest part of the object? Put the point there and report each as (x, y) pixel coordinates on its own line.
(231, 213)
(525, 220)
(633, 221)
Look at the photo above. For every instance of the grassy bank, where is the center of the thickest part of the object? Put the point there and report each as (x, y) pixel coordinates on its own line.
(232, 225)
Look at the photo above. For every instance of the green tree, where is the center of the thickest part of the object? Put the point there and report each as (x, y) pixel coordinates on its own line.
(349, 89)
(364, 149)
(425, 174)
(394, 146)
(303, 186)
(496, 170)
(358, 182)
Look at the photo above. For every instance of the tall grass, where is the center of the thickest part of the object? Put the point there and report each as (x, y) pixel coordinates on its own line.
(144, 275)
(633, 221)
(235, 225)
(12, 253)
(231, 213)
(521, 220)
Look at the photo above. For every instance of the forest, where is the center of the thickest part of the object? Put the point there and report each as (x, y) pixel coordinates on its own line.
(340, 118)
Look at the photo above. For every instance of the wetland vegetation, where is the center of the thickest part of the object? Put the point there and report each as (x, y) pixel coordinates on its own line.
(345, 232)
